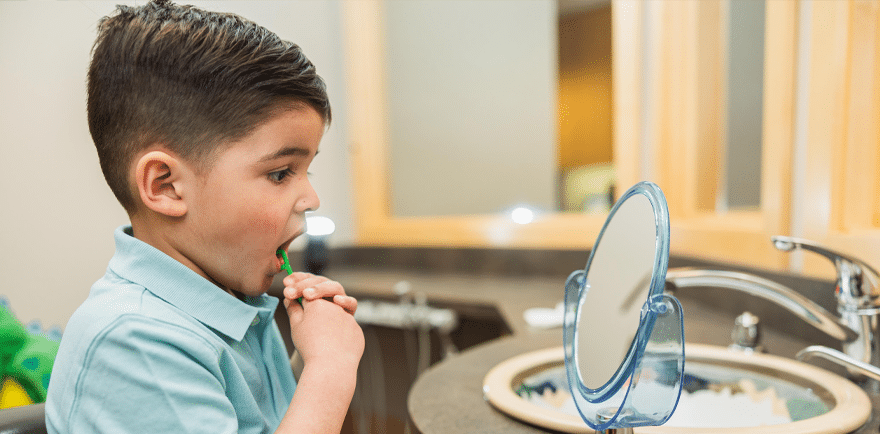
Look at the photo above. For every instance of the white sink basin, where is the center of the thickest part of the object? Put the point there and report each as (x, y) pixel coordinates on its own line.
(733, 392)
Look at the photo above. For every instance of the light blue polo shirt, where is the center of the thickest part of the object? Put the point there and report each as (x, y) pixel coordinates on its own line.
(156, 348)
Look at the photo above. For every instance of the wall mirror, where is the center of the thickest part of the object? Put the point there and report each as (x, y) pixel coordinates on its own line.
(623, 337)
(509, 101)
(463, 112)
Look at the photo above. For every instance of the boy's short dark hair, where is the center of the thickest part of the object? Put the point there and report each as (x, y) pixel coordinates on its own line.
(187, 79)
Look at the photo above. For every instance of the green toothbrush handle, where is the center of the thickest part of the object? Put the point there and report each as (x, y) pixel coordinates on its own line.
(286, 267)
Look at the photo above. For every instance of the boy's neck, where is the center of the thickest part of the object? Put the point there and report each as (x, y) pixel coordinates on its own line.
(159, 235)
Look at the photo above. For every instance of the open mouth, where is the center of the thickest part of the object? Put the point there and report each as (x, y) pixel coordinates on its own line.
(279, 261)
(284, 247)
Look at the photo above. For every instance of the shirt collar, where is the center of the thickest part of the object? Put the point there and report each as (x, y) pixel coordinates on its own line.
(183, 288)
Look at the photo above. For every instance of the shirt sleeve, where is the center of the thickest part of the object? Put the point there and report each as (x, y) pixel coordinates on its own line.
(146, 375)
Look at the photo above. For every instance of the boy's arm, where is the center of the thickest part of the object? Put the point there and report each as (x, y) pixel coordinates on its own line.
(331, 344)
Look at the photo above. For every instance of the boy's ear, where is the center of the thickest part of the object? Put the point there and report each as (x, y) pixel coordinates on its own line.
(159, 179)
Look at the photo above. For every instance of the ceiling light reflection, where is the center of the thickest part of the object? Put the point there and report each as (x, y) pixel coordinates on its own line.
(522, 215)
(317, 226)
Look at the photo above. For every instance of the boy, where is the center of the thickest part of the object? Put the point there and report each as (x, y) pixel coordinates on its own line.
(205, 125)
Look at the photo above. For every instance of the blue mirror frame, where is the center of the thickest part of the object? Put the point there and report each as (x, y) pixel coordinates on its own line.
(645, 389)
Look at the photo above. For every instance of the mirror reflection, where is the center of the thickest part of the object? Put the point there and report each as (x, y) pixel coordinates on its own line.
(619, 278)
(499, 104)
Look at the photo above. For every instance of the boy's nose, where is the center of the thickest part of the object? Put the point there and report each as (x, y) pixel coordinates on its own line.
(308, 200)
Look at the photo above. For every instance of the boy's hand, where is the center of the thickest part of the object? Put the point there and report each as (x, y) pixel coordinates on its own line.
(311, 287)
(323, 331)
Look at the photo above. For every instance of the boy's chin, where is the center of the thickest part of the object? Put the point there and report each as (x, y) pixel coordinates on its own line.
(266, 284)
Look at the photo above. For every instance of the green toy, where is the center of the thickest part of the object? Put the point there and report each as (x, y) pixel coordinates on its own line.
(25, 359)
(12, 337)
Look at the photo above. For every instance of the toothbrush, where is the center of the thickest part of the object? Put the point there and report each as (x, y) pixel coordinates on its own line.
(286, 267)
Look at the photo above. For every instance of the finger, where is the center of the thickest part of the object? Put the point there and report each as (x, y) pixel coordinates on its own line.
(349, 304)
(295, 290)
(297, 276)
(294, 310)
(309, 282)
(292, 292)
(325, 289)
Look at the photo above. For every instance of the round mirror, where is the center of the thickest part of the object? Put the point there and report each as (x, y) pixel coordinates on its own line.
(618, 322)
(618, 279)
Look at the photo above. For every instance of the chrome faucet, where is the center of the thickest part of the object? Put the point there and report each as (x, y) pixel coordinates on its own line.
(858, 297)
(858, 302)
(783, 296)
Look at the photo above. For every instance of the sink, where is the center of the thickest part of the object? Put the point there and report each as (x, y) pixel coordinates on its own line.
(720, 386)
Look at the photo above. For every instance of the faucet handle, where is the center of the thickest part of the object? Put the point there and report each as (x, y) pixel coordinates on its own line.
(858, 284)
(746, 333)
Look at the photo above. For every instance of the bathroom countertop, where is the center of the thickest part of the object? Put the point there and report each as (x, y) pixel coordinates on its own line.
(448, 397)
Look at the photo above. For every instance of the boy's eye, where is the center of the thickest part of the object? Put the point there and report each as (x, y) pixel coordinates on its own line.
(278, 176)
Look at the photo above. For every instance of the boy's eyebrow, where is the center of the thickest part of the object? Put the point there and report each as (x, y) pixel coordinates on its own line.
(285, 152)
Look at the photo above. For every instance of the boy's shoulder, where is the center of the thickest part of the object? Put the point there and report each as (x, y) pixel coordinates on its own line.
(115, 302)
(124, 336)
(121, 317)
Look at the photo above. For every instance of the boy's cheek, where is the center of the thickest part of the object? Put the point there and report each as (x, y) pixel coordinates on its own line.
(265, 224)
